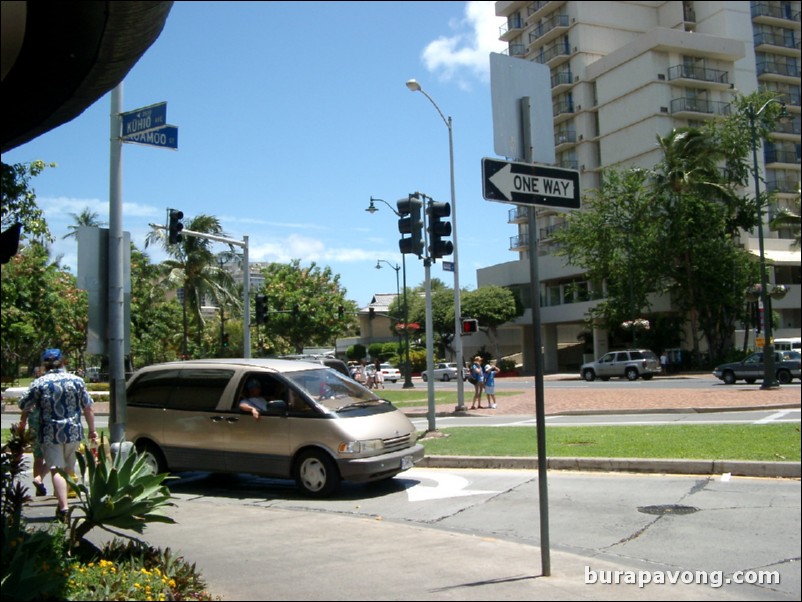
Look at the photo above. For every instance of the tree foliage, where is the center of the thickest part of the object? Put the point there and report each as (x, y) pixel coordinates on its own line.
(303, 307)
(674, 229)
(492, 306)
(155, 319)
(19, 199)
(41, 307)
(616, 239)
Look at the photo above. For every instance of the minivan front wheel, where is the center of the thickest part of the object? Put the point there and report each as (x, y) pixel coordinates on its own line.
(153, 457)
(316, 473)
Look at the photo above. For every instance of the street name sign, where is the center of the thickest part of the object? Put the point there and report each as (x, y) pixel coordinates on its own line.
(527, 184)
(143, 120)
(164, 137)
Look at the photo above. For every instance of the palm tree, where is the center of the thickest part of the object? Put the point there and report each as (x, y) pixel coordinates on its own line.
(193, 267)
(688, 175)
(87, 217)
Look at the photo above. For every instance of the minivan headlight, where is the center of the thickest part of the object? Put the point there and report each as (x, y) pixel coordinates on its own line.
(361, 447)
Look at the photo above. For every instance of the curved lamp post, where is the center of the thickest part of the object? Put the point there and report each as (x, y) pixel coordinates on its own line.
(407, 364)
(769, 376)
(414, 86)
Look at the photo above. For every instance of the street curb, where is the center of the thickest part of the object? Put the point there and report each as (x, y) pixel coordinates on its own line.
(417, 412)
(782, 470)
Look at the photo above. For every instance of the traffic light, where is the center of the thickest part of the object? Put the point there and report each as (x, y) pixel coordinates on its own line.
(175, 226)
(341, 312)
(261, 309)
(469, 325)
(410, 223)
(225, 339)
(439, 229)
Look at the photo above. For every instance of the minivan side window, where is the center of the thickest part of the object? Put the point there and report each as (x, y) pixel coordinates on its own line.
(199, 389)
(152, 389)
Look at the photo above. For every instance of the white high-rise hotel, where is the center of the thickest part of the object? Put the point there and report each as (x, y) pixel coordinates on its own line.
(623, 73)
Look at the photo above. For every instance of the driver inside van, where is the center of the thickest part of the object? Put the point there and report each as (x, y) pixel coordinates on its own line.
(253, 402)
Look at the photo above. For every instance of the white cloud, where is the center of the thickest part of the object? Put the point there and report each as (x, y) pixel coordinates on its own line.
(475, 37)
(305, 249)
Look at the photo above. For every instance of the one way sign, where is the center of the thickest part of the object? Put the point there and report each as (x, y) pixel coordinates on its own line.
(527, 184)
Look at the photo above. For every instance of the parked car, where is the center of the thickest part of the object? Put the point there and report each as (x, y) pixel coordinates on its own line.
(390, 373)
(751, 369)
(320, 427)
(629, 363)
(445, 372)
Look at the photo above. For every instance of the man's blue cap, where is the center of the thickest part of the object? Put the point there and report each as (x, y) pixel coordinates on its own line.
(51, 355)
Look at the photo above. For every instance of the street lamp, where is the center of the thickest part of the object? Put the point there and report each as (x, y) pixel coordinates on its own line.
(396, 267)
(414, 86)
(769, 377)
(407, 364)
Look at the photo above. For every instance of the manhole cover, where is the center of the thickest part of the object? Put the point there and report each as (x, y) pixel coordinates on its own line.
(667, 509)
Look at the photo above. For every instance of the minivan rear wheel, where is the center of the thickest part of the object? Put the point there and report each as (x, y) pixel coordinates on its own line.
(632, 374)
(316, 473)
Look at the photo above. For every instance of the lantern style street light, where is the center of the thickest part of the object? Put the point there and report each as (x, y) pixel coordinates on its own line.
(407, 364)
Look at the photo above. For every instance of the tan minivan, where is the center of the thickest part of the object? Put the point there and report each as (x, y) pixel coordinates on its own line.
(320, 427)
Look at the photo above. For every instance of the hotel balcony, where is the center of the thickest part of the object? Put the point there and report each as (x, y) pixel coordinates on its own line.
(692, 108)
(699, 77)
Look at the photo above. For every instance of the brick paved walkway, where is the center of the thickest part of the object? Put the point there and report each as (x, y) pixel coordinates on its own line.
(617, 396)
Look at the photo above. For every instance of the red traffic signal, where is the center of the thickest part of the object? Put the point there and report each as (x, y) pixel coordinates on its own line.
(469, 326)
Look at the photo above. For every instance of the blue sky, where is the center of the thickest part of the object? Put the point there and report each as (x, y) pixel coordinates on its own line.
(290, 116)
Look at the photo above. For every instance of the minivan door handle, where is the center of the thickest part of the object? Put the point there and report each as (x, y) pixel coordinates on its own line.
(217, 418)
(232, 419)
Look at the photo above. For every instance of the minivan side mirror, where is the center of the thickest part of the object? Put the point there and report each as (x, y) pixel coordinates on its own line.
(277, 405)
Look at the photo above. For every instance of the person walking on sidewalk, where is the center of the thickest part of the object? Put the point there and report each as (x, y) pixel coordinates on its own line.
(60, 398)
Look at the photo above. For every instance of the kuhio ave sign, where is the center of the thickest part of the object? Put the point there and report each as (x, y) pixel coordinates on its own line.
(149, 126)
(526, 184)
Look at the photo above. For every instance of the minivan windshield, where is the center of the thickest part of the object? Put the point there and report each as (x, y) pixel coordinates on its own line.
(333, 390)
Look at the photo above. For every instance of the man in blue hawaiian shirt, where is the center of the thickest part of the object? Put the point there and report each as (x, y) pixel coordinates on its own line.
(61, 397)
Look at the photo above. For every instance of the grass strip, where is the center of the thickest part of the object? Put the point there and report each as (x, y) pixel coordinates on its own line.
(753, 442)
